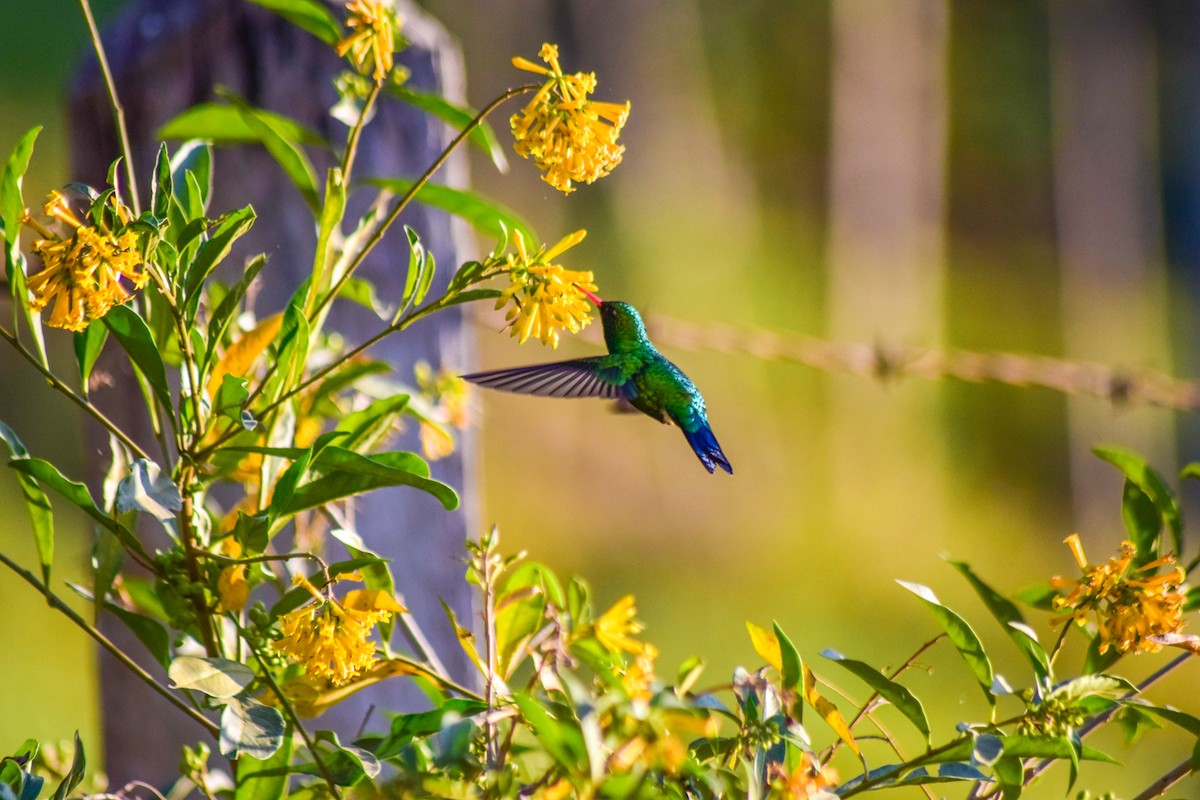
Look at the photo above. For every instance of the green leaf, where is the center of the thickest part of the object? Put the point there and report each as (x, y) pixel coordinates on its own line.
(191, 171)
(346, 762)
(476, 209)
(961, 635)
(227, 308)
(1151, 484)
(36, 503)
(792, 667)
(76, 493)
(368, 427)
(896, 694)
(347, 473)
(250, 728)
(283, 147)
(363, 292)
(562, 738)
(231, 397)
(12, 206)
(1188, 722)
(330, 216)
(215, 677)
(1106, 686)
(74, 774)
(214, 250)
(225, 124)
(89, 343)
(1010, 617)
(162, 187)
(264, 779)
(308, 15)
(147, 489)
(458, 117)
(133, 335)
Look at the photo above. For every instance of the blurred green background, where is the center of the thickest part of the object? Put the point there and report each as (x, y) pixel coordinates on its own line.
(995, 176)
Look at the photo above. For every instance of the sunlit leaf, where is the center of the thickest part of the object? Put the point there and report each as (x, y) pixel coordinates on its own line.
(36, 503)
(898, 695)
(828, 711)
(961, 635)
(250, 728)
(215, 677)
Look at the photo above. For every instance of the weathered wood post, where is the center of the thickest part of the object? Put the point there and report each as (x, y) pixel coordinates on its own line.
(170, 54)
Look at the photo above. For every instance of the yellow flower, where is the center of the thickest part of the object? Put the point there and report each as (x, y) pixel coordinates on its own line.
(371, 40)
(616, 628)
(568, 136)
(809, 781)
(545, 297)
(84, 271)
(331, 639)
(638, 680)
(233, 590)
(1129, 610)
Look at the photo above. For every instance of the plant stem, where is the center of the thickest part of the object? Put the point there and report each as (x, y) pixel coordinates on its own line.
(292, 716)
(71, 395)
(114, 102)
(403, 202)
(203, 613)
(1160, 786)
(1098, 720)
(356, 132)
(56, 603)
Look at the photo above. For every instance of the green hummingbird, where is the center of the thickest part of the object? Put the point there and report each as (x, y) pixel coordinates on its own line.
(633, 371)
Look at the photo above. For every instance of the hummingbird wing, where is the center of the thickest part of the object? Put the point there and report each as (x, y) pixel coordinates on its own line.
(580, 377)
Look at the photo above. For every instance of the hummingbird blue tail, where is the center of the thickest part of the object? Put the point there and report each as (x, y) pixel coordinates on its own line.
(707, 449)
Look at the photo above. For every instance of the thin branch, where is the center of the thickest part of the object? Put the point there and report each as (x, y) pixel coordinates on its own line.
(403, 202)
(1160, 786)
(71, 395)
(1098, 720)
(55, 602)
(293, 717)
(114, 102)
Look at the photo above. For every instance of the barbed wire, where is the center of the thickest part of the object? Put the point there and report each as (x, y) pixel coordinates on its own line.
(888, 362)
(891, 362)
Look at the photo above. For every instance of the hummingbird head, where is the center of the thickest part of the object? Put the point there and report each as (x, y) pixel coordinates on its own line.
(623, 326)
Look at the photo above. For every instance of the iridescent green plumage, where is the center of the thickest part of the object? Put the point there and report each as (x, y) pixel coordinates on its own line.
(633, 370)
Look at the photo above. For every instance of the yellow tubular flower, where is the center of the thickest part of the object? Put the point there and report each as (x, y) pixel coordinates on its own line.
(616, 628)
(331, 639)
(371, 40)
(545, 297)
(1131, 606)
(86, 271)
(569, 137)
(809, 781)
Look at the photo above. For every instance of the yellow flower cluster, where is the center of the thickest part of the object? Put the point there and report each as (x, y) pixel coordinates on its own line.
(570, 137)
(808, 781)
(371, 40)
(83, 272)
(332, 639)
(545, 297)
(1130, 610)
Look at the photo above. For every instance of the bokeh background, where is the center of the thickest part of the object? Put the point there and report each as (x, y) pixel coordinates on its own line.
(1018, 176)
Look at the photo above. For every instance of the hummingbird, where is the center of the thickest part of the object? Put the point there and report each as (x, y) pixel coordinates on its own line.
(633, 371)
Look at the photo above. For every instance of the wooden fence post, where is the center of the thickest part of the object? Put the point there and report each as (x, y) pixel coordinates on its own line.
(170, 54)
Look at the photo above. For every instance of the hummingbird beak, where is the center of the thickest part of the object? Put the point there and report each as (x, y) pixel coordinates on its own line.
(590, 296)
